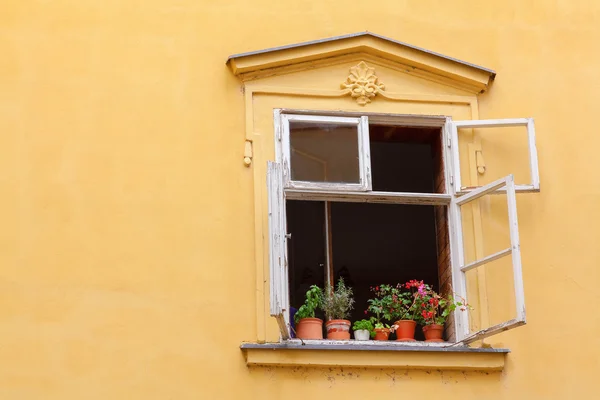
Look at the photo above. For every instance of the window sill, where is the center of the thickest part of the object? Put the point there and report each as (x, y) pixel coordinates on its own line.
(327, 353)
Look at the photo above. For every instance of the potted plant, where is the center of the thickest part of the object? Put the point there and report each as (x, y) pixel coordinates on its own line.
(307, 326)
(382, 331)
(363, 329)
(337, 304)
(435, 310)
(380, 307)
(404, 308)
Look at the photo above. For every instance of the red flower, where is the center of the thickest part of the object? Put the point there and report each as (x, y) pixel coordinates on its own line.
(366, 312)
(376, 287)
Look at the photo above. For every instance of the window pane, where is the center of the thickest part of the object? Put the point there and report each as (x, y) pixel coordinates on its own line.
(323, 152)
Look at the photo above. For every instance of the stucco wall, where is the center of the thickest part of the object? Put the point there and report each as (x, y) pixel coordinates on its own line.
(126, 213)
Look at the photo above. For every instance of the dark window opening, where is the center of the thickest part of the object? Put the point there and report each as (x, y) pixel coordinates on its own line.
(372, 244)
(306, 248)
(405, 159)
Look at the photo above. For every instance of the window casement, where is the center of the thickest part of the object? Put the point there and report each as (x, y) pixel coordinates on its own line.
(514, 251)
(327, 158)
(458, 127)
(307, 163)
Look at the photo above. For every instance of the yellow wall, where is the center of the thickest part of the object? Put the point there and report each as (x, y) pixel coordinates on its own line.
(127, 247)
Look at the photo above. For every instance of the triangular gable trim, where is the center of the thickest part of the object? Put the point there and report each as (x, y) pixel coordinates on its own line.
(279, 59)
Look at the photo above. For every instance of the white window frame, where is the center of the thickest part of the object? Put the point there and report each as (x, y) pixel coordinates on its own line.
(459, 268)
(279, 192)
(364, 152)
(533, 186)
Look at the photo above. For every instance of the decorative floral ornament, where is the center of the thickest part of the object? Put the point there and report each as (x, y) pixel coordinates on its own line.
(362, 83)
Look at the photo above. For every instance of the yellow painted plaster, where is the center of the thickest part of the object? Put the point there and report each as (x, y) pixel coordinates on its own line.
(128, 243)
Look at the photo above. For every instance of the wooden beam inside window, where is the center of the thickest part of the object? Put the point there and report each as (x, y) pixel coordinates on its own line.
(370, 197)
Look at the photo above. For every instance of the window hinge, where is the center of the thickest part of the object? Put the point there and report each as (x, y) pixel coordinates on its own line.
(288, 235)
(452, 179)
(279, 134)
(449, 142)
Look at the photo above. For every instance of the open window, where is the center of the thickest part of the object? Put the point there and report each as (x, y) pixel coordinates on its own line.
(461, 268)
(369, 199)
(511, 141)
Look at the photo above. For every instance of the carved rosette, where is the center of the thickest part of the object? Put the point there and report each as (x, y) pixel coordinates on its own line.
(362, 83)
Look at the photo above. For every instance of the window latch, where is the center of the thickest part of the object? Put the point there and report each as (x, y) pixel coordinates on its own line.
(288, 235)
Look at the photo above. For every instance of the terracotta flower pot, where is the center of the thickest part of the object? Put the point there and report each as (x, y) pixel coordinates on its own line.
(309, 328)
(405, 330)
(382, 333)
(338, 329)
(434, 333)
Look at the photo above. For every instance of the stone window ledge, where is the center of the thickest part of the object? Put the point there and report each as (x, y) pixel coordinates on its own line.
(419, 355)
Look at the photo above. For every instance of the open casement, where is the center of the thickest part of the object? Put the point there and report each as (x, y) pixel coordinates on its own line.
(326, 152)
(457, 127)
(460, 268)
(277, 248)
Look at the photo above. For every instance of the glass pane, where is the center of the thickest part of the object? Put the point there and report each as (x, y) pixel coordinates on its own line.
(504, 151)
(322, 152)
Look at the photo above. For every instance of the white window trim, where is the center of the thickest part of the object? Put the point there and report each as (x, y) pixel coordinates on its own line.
(533, 186)
(364, 152)
(279, 281)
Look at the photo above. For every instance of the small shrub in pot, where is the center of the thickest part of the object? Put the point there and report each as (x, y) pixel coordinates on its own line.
(337, 304)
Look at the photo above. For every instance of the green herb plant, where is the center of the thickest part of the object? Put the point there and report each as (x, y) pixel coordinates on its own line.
(365, 324)
(313, 301)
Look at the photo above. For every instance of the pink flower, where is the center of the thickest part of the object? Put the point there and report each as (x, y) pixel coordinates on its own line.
(421, 290)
